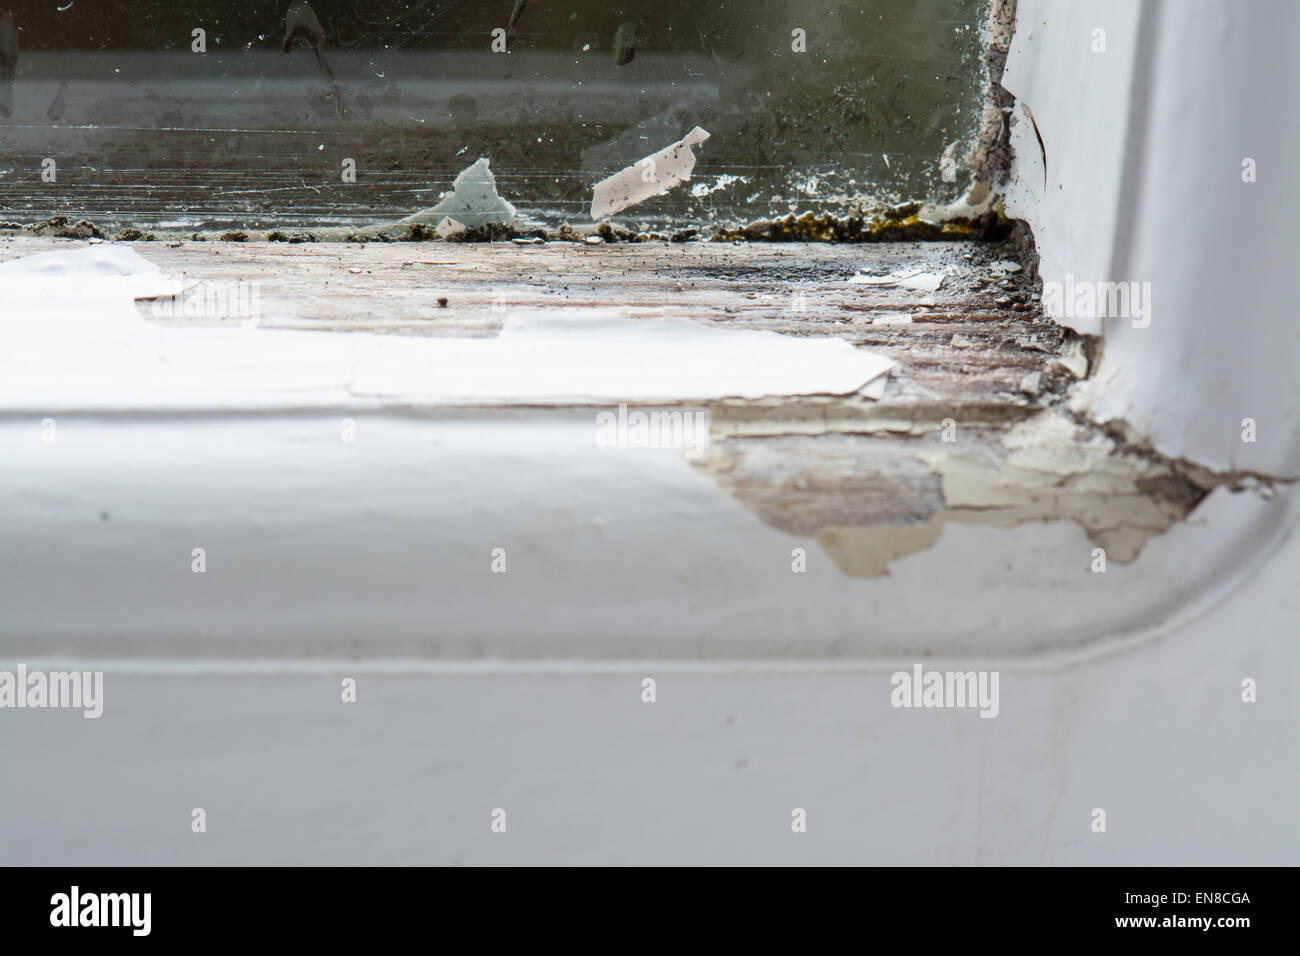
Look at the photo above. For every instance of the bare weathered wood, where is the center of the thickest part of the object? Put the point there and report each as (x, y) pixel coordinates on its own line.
(970, 346)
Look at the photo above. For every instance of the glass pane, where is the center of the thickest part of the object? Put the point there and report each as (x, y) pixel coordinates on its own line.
(822, 105)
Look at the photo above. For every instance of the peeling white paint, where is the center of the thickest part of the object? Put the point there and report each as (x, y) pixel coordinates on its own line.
(448, 227)
(579, 355)
(652, 176)
(976, 201)
(916, 279)
(473, 201)
(73, 338)
(1073, 359)
(614, 553)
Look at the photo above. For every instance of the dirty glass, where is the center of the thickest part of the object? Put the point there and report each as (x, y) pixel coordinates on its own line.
(214, 114)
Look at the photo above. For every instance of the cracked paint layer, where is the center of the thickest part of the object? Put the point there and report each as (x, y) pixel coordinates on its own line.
(871, 499)
(869, 477)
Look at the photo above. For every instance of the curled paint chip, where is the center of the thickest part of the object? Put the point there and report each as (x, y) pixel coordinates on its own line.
(652, 176)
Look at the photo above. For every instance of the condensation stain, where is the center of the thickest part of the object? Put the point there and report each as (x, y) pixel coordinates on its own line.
(870, 499)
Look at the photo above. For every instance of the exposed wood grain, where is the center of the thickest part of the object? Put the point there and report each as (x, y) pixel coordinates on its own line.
(965, 346)
(873, 480)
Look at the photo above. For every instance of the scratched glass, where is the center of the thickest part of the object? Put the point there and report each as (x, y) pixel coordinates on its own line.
(251, 132)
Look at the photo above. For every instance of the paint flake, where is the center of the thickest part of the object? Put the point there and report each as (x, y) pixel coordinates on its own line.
(652, 176)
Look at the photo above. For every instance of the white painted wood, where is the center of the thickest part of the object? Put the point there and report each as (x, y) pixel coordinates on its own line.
(1145, 145)
(708, 774)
